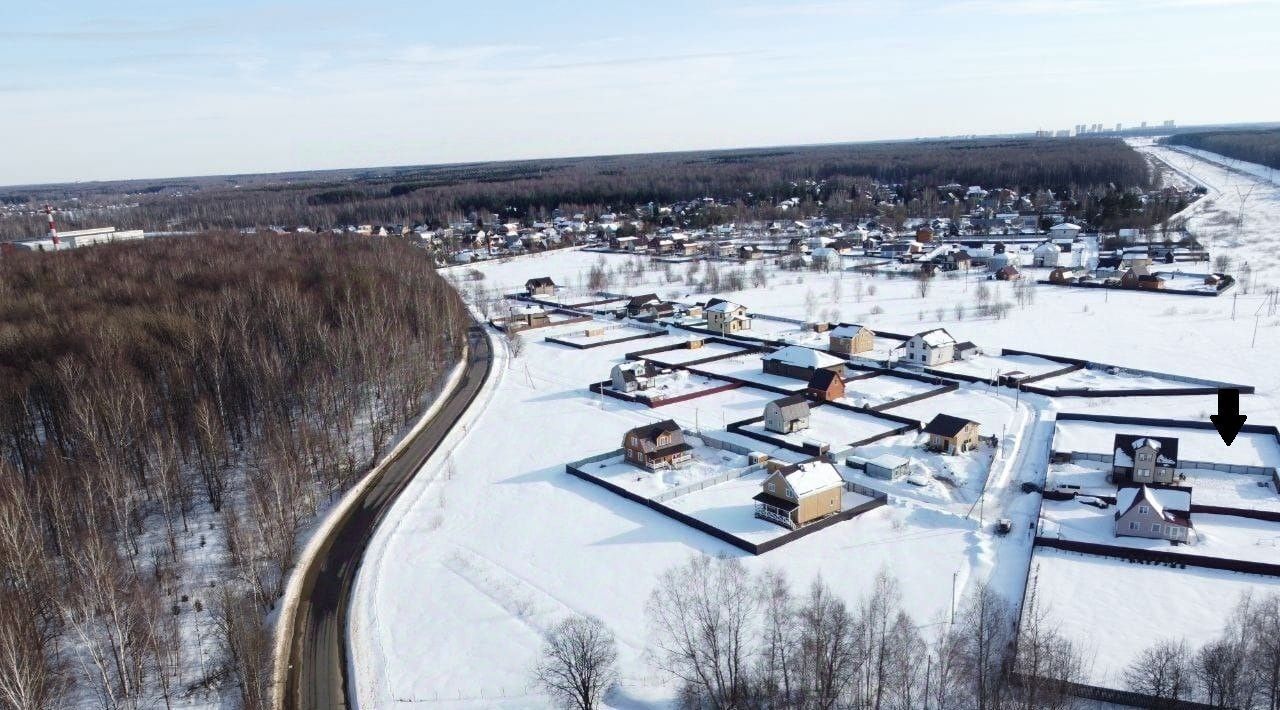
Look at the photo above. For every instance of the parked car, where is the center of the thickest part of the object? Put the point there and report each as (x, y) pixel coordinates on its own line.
(1095, 502)
(1029, 487)
(1003, 526)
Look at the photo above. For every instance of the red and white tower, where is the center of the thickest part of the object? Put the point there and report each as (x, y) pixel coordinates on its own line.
(53, 229)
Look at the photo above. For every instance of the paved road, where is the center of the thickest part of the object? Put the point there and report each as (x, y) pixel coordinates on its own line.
(317, 676)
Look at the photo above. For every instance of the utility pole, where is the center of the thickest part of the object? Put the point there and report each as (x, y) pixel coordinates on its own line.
(1234, 298)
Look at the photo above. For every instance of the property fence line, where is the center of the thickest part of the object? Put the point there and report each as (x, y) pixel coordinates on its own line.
(1143, 556)
(1115, 696)
(588, 346)
(1183, 465)
(1227, 284)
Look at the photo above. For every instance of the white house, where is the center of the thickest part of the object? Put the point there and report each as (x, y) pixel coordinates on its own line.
(1064, 230)
(726, 316)
(932, 347)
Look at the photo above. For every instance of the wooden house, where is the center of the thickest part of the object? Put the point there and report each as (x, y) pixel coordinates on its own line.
(656, 446)
(1159, 514)
(642, 304)
(799, 362)
(796, 495)
(787, 415)
(825, 385)
(851, 339)
(540, 286)
(952, 435)
(726, 316)
(1145, 459)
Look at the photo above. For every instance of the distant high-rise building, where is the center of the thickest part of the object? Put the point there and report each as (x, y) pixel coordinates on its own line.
(1144, 124)
(1168, 124)
(1119, 127)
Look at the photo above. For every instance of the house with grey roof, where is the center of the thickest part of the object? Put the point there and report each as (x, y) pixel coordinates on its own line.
(1154, 513)
(787, 415)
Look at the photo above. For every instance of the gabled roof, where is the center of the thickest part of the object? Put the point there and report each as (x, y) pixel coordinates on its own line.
(801, 356)
(540, 281)
(1166, 448)
(719, 305)
(811, 477)
(1169, 504)
(643, 299)
(936, 338)
(965, 346)
(848, 331)
(823, 379)
(650, 432)
(792, 404)
(947, 425)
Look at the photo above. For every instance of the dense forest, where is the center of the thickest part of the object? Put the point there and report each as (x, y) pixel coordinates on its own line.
(1254, 146)
(522, 189)
(172, 414)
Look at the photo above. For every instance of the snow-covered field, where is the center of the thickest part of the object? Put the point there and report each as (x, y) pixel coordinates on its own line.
(474, 564)
(1114, 609)
(707, 463)
(750, 368)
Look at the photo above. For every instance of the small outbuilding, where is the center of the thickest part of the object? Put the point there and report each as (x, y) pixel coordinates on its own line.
(825, 385)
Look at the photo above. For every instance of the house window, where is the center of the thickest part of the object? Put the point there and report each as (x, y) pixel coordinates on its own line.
(771, 488)
(1155, 527)
(1133, 526)
(1143, 509)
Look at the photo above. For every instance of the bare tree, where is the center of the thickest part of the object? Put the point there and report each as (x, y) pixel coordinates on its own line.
(578, 664)
(1163, 672)
(704, 617)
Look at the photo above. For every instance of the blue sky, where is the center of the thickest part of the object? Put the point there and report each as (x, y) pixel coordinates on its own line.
(93, 90)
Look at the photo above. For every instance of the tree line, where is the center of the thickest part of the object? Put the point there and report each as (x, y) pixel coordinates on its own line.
(172, 414)
(1261, 146)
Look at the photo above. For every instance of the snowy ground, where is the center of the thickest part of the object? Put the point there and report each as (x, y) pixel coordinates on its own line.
(882, 389)
(750, 368)
(611, 334)
(989, 366)
(832, 426)
(992, 408)
(1104, 380)
(683, 355)
(706, 463)
(1115, 609)
(472, 567)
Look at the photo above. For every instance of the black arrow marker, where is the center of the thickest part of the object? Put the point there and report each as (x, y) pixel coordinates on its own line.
(1228, 420)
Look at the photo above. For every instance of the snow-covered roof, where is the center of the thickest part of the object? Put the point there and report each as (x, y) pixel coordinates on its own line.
(847, 331)
(889, 461)
(1161, 500)
(812, 477)
(936, 338)
(801, 356)
(724, 307)
(1065, 227)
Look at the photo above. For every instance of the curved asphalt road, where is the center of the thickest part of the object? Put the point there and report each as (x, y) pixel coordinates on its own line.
(317, 674)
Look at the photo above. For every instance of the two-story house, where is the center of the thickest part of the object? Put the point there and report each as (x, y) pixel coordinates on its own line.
(795, 495)
(656, 446)
(1145, 459)
(1160, 514)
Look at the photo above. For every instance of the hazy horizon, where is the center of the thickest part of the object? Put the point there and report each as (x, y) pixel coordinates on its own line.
(153, 91)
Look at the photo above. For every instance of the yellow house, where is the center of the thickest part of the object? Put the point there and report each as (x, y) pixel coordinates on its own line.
(952, 435)
(795, 495)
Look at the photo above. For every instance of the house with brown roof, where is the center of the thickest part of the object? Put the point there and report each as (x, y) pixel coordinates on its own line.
(952, 435)
(1145, 459)
(540, 286)
(787, 415)
(1158, 514)
(795, 495)
(656, 446)
(825, 385)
